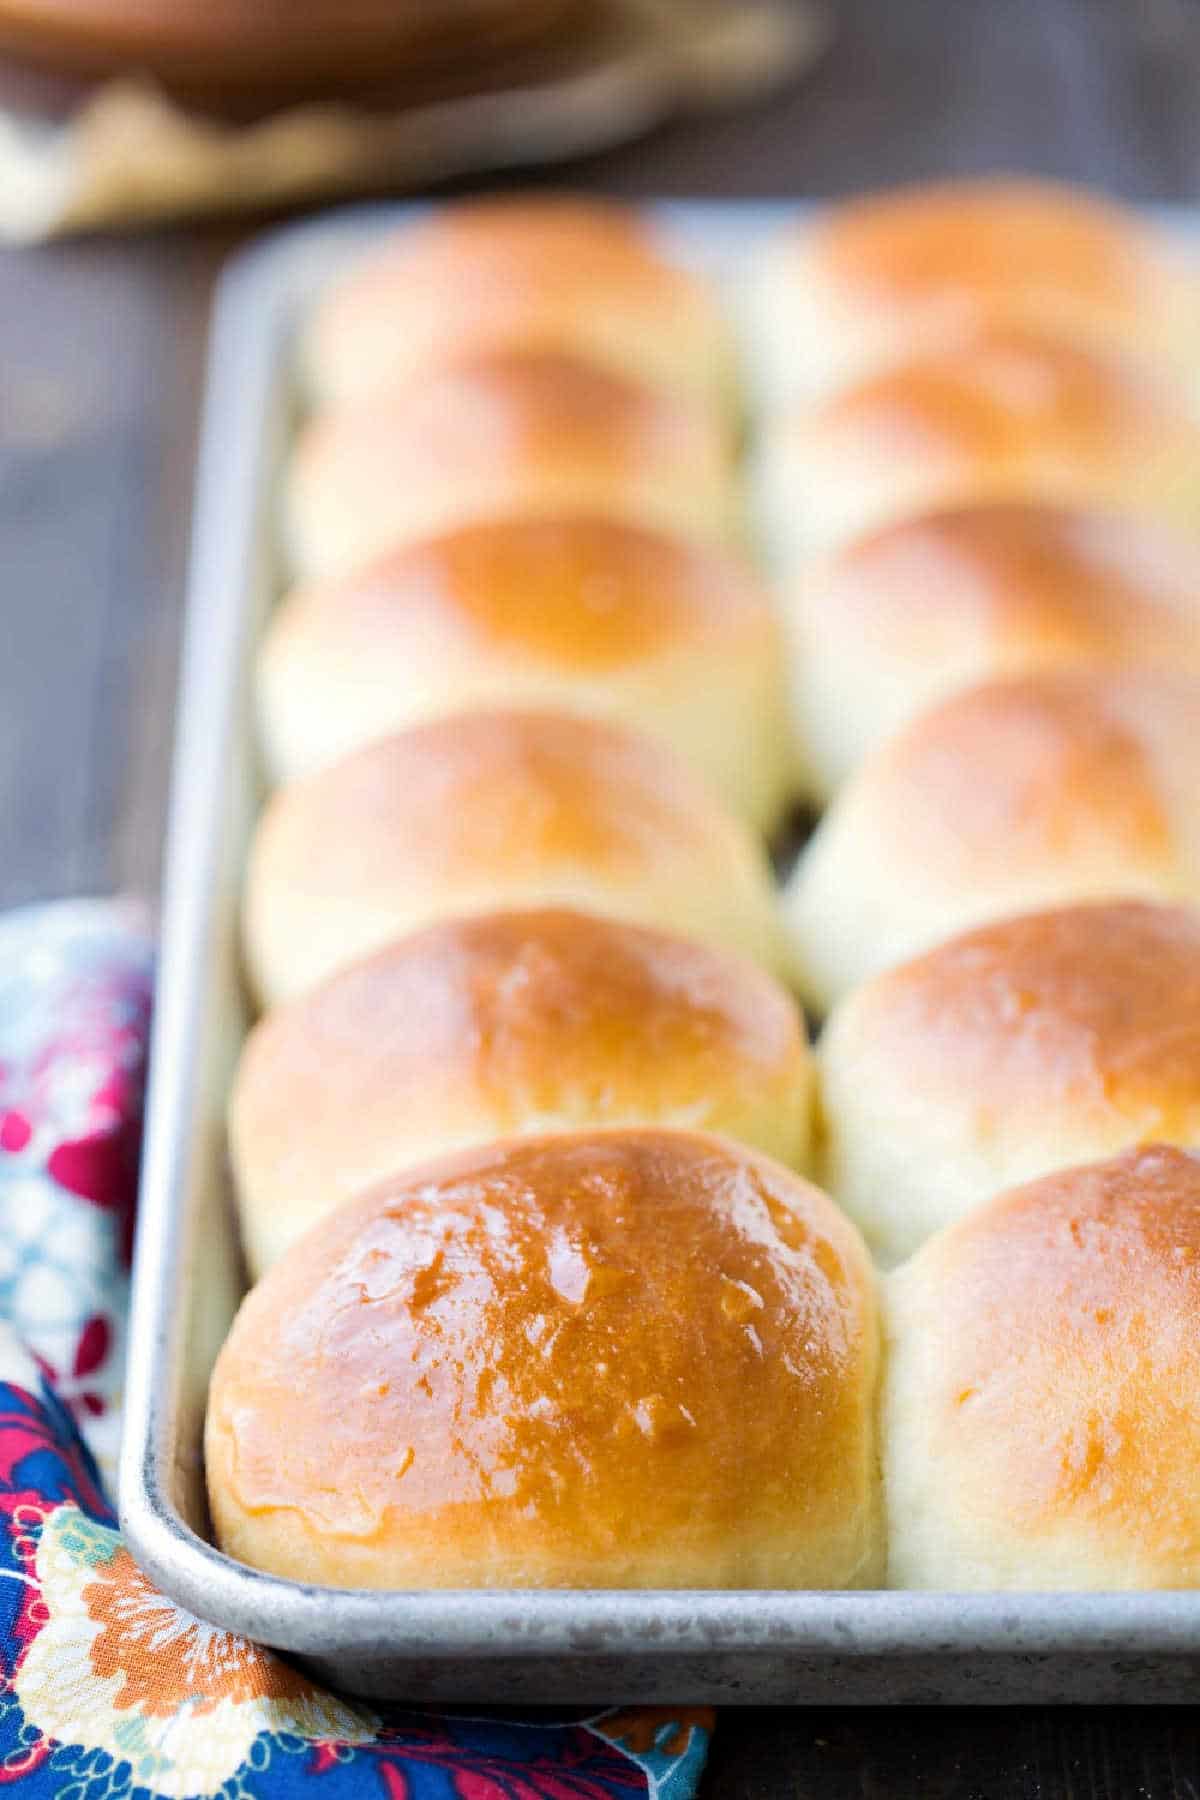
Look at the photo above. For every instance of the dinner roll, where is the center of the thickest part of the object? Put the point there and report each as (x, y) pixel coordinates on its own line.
(583, 613)
(1042, 1414)
(907, 614)
(508, 1023)
(509, 434)
(890, 275)
(1040, 1041)
(606, 1360)
(485, 811)
(535, 272)
(1012, 414)
(1030, 792)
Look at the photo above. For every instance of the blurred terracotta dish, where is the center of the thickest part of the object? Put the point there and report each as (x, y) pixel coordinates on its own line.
(276, 46)
(116, 141)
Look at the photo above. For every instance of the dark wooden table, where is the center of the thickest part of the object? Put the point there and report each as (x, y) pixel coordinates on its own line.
(101, 358)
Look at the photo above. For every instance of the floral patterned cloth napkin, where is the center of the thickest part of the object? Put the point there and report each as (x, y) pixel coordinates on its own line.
(107, 1688)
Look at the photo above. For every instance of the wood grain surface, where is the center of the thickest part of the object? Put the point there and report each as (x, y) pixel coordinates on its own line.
(100, 367)
(1002, 1753)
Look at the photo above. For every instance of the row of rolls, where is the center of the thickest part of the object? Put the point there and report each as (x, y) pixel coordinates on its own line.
(574, 1262)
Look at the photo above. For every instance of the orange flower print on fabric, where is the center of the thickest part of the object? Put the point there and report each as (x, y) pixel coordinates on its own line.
(119, 1668)
(644, 1728)
(165, 1658)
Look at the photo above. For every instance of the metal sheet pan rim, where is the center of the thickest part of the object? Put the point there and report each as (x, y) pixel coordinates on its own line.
(255, 298)
(451, 1623)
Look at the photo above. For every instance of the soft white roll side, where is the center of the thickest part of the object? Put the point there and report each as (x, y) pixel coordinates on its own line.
(580, 613)
(491, 811)
(886, 276)
(902, 617)
(506, 435)
(1028, 1045)
(1041, 1414)
(1023, 794)
(1012, 414)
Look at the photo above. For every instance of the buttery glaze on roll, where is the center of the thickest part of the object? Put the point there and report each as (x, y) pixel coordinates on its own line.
(1042, 1403)
(1010, 415)
(602, 1360)
(908, 614)
(1038, 791)
(585, 277)
(1029, 1045)
(588, 614)
(492, 810)
(509, 434)
(890, 275)
(507, 1024)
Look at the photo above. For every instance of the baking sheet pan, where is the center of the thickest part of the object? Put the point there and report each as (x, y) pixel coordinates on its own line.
(531, 1647)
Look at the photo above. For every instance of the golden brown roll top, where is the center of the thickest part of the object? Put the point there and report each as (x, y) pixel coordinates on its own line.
(1032, 792)
(583, 613)
(1041, 1041)
(555, 273)
(608, 1360)
(491, 810)
(903, 616)
(895, 274)
(1010, 414)
(1042, 1404)
(515, 434)
(510, 1023)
